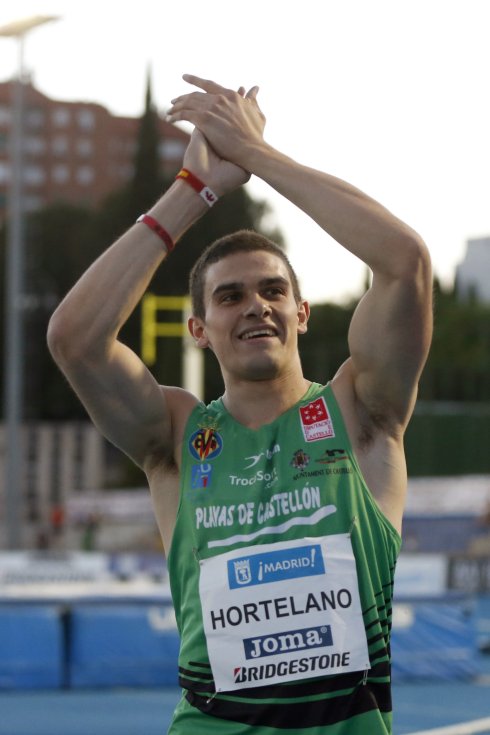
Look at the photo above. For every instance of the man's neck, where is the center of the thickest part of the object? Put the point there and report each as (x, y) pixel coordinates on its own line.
(255, 403)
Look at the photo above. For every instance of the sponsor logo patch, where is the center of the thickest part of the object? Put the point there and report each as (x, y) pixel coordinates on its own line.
(268, 454)
(330, 456)
(311, 666)
(315, 421)
(275, 566)
(205, 444)
(290, 640)
(201, 476)
(268, 479)
(300, 460)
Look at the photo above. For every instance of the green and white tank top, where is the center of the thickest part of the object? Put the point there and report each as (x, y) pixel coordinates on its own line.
(281, 569)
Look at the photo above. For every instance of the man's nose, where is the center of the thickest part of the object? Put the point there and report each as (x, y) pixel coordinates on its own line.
(257, 306)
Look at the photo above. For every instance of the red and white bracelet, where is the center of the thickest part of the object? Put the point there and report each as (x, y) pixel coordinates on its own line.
(204, 191)
(158, 230)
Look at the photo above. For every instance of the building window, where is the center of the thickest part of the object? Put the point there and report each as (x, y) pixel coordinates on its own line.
(32, 202)
(84, 147)
(114, 145)
(86, 119)
(171, 150)
(5, 115)
(34, 145)
(60, 173)
(4, 172)
(35, 118)
(122, 171)
(85, 175)
(34, 175)
(61, 117)
(59, 145)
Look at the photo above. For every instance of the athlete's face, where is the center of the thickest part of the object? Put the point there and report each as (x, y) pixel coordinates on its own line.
(252, 319)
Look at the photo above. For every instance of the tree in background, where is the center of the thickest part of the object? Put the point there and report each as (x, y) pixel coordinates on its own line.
(58, 245)
(458, 368)
(147, 182)
(63, 240)
(324, 346)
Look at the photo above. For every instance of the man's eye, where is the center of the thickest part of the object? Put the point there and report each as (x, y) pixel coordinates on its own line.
(274, 291)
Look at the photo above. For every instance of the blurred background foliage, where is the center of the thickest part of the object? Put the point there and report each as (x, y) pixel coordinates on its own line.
(62, 241)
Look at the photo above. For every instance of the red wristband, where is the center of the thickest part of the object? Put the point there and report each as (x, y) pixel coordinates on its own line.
(204, 191)
(158, 230)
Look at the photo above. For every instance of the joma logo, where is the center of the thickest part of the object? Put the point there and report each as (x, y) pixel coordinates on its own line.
(291, 640)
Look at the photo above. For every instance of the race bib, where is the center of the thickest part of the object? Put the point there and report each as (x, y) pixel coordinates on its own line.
(281, 612)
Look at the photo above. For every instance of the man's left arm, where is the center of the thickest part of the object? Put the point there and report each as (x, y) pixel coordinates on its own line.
(390, 332)
(391, 329)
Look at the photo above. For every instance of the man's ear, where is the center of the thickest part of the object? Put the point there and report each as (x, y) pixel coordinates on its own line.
(303, 316)
(197, 331)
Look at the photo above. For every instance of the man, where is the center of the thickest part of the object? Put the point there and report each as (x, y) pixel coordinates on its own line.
(280, 504)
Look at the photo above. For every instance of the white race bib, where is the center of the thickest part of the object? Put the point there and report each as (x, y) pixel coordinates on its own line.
(281, 612)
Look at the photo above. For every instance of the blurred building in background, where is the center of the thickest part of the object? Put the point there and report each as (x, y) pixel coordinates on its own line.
(75, 152)
(60, 460)
(473, 273)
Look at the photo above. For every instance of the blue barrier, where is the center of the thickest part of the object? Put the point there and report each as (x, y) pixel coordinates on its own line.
(122, 645)
(434, 639)
(135, 644)
(31, 647)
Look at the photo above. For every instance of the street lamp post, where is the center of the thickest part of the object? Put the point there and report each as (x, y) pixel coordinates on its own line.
(14, 271)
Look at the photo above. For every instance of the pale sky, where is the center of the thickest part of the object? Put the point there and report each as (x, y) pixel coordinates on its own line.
(391, 95)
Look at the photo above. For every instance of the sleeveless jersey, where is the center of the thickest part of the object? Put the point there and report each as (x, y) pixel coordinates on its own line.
(281, 569)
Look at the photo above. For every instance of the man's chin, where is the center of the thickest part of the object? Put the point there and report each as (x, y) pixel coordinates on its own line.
(261, 371)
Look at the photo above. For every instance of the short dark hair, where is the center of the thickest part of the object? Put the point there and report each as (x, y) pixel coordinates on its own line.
(243, 241)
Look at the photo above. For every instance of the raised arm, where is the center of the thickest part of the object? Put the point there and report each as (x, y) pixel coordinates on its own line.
(390, 332)
(120, 394)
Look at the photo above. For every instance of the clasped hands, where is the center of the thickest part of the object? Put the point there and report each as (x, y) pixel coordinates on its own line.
(229, 126)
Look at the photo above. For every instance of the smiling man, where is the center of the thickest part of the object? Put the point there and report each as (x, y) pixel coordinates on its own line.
(250, 314)
(280, 504)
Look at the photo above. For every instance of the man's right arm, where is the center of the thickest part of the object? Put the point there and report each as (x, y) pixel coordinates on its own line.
(119, 392)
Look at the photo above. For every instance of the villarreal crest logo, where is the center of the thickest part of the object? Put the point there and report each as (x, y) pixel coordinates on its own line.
(205, 444)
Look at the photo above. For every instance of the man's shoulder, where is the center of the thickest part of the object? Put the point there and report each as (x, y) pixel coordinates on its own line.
(179, 405)
(365, 414)
(180, 402)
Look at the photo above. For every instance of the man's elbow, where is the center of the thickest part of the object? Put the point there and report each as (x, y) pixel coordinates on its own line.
(59, 338)
(416, 263)
(417, 280)
(64, 339)
(75, 342)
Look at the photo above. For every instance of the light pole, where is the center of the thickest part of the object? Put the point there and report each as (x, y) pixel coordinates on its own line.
(14, 270)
